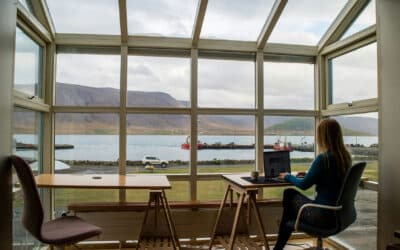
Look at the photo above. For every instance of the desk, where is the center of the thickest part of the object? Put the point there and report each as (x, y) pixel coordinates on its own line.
(155, 183)
(246, 191)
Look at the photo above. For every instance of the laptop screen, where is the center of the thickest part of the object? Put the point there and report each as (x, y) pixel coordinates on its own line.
(276, 162)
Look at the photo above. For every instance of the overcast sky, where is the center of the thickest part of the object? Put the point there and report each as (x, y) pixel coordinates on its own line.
(221, 83)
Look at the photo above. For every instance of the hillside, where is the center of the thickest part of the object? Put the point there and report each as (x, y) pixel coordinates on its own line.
(90, 123)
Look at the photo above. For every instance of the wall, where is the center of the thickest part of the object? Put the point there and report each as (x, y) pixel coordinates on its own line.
(7, 41)
(388, 31)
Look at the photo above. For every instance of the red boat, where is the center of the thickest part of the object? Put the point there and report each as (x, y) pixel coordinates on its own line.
(186, 145)
(280, 145)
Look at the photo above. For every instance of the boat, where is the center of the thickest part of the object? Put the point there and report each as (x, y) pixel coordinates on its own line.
(282, 145)
(186, 145)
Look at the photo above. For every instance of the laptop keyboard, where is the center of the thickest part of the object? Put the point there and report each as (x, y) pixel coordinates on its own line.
(262, 180)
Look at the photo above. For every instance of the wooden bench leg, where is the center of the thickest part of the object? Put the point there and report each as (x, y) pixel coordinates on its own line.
(236, 221)
(221, 207)
(258, 219)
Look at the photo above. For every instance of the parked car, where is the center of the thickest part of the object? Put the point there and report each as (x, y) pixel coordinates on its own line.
(152, 160)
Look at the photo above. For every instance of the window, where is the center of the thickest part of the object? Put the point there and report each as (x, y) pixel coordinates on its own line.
(178, 192)
(88, 80)
(28, 65)
(226, 143)
(27, 144)
(86, 17)
(154, 143)
(235, 20)
(353, 76)
(80, 137)
(158, 81)
(161, 17)
(295, 134)
(226, 83)
(361, 138)
(288, 86)
(305, 22)
(27, 135)
(364, 20)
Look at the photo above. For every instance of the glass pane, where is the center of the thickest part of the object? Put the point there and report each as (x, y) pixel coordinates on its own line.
(226, 143)
(210, 190)
(361, 138)
(154, 143)
(295, 134)
(354, 76)
(362, 234)
(27, 144)
(85, 17)
(235, 19)
(28, 65)
(27, 141)
(88, 80)
(305, 22)
(226, 83)
(158, 81)
(65, 196)
(288, 86)
(86, 143)
(171, 18)
(178, 192)
(366, 18)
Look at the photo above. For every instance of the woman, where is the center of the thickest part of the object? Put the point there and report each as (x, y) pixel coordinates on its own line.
(326, 172)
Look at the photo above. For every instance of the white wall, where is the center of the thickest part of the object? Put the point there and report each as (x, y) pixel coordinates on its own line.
(388, 31)
(7, 38)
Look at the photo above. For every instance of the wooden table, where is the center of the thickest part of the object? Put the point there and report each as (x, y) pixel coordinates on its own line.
(246, 191)
(155, 183)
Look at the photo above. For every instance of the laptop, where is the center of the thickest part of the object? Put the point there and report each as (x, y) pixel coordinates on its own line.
(275, 162)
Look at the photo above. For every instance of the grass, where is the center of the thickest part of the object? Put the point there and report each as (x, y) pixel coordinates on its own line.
(206, 190)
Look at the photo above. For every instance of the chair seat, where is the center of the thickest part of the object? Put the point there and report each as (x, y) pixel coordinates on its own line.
(314, 230)
(67, 230)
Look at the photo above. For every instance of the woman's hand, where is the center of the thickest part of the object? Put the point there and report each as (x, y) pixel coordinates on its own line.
(282, 175)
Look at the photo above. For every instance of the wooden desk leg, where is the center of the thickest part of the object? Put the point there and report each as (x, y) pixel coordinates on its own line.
(259, 221)
(221, 207)
(236, 221)
(171, 224)
(248, 218)
(145, 219)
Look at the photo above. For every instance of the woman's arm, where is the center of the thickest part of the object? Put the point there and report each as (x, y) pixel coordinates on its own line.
(312, 176)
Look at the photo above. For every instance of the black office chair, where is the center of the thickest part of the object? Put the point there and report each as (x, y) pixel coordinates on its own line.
(344, 209)
(63, 231)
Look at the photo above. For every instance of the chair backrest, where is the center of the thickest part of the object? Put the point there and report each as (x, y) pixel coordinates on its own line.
(347, 214)
(32, 217)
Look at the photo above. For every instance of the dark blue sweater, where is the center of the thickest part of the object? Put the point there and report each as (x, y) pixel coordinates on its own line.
(326, 176)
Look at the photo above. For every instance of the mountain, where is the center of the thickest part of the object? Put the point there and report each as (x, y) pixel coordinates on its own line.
(105, 123)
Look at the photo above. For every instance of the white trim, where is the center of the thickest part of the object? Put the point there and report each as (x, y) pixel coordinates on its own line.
(270, 23)
(123, 20)
(362, 36)
(23, 15)
(342, 22)
(198, 23)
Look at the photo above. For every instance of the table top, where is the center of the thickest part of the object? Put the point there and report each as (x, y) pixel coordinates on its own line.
(104, 181)
(237, 180)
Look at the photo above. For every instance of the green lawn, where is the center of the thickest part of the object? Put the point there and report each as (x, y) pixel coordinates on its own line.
(206, 190)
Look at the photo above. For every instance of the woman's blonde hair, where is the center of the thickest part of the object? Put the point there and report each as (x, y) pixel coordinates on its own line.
(330, 138)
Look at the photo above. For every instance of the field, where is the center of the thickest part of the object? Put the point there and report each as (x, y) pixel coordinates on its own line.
(206, 190)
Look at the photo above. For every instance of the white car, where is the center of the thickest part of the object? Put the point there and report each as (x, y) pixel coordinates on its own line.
(152, 160)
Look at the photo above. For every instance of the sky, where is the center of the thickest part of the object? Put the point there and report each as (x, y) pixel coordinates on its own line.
(221, 83)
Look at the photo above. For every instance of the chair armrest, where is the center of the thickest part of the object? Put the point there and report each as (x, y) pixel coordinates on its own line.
(333, 208)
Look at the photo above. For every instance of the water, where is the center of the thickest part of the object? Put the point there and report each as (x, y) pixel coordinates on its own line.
(168, 147)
